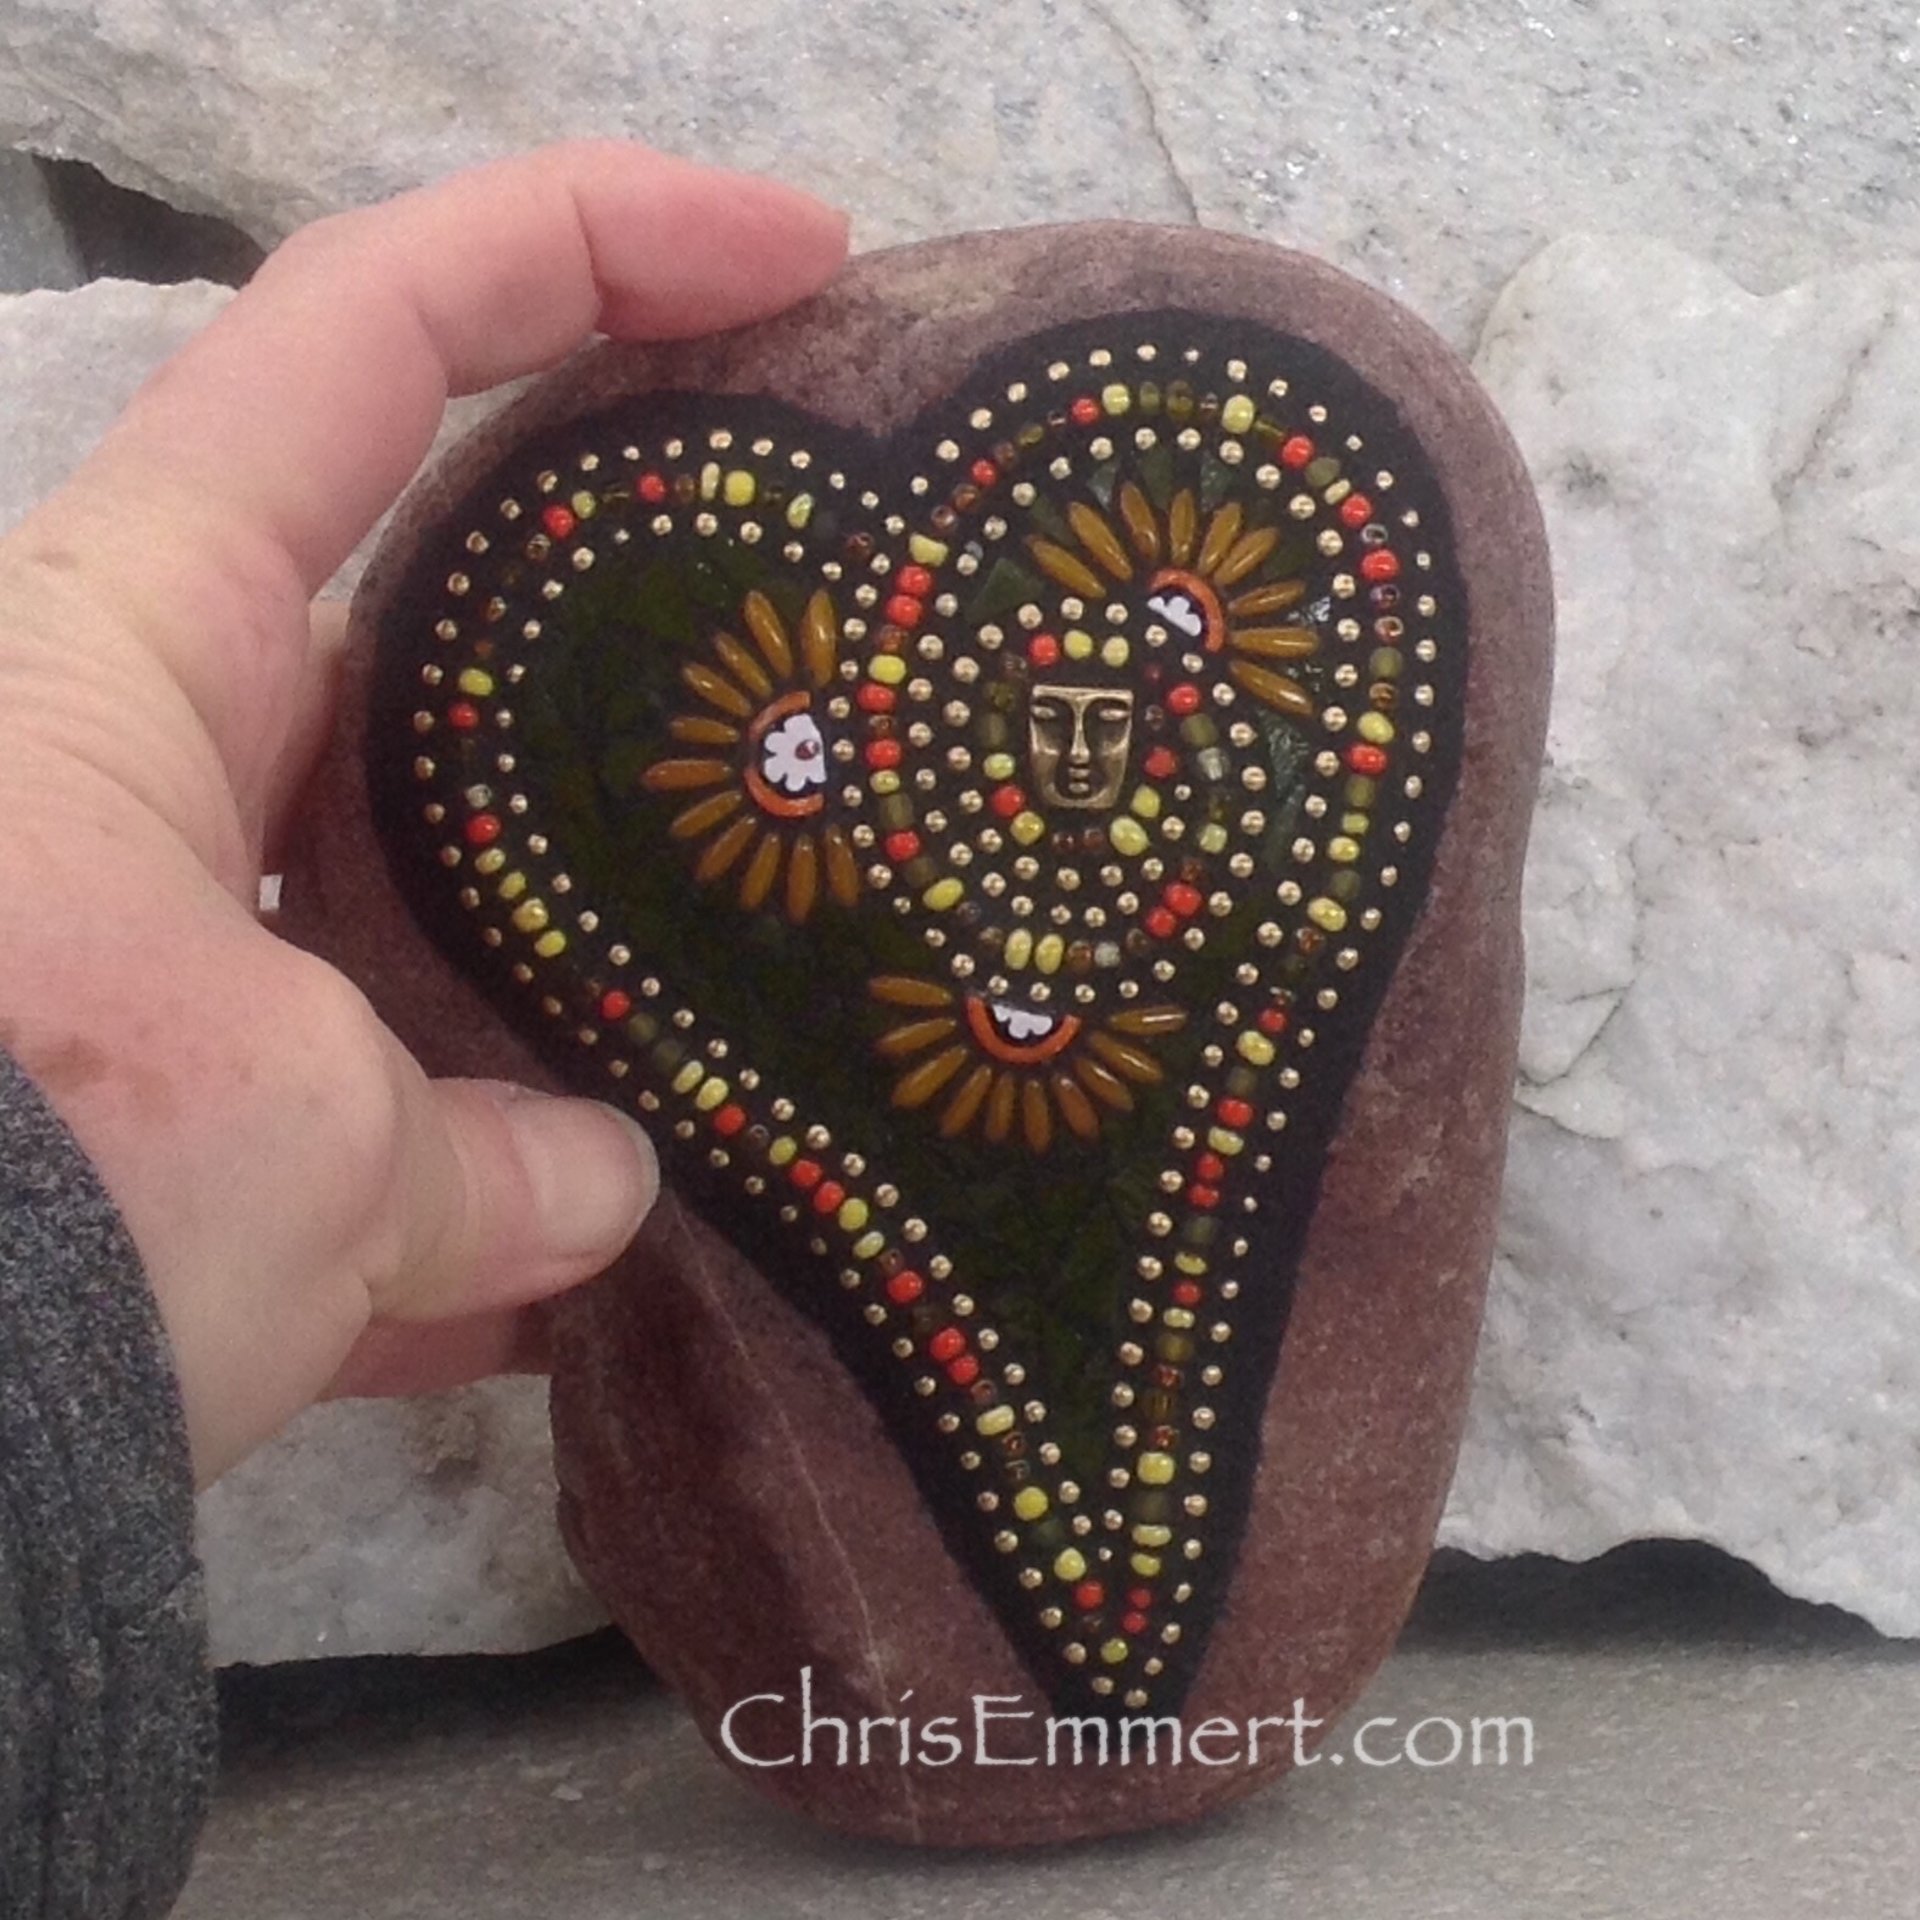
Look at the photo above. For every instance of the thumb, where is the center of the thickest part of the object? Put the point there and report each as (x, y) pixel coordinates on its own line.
(506, 1195)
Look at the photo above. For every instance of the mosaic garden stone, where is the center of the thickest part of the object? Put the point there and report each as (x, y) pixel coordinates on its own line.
(1017, 774)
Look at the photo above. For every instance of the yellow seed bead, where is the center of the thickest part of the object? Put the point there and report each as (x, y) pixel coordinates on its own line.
(1146, 803)
(476, 681)
(739, 489)
(1070, 1564)
(585, 504)
(1117, 399)
(530, 916)
(995, 1420)
(1375, 727)
(1019, 948)
(1077, 644)
(1128, 836)
(885, 782)
(688, 1077)
(1355, 823)
(888, 668)
(1343, 849)
(1114, 651)
(1212, 838)
(853, 1215)
(1190, 1263)
(943, 894)
(1178, 1318)
(928, 551)
(489, 862)
(710, 480)
(1329, 915)
(551, 945)
(1146, 1565)
(783, 1150)
(1237, 415)
(1224, 1141)
(1154, 1469)
(1255, 1047)
(1030, 1503)
(998, 766)
(512, 887)
(1048, 951)
(711, 1094)
(799, 510)
(1027, 828)
(868, 1246)
(1114, 1651)
(1152, 1535)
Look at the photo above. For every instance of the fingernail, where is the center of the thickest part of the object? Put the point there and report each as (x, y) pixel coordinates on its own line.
(592, 1171)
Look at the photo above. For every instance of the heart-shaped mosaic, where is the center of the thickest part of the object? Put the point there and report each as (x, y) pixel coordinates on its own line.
(977, 855)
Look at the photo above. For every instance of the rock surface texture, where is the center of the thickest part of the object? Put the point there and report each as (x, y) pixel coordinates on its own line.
(1707, 1319)
(1428, 149)
(725, 1483)
(35, 248)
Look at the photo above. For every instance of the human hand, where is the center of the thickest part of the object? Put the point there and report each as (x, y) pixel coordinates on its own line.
(310, 1208)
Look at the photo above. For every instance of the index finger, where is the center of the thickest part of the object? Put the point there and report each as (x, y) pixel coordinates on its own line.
(298, 415)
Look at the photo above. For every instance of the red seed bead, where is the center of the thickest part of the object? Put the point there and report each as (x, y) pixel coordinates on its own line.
(1089, 1596)
(483, 829)
(1210, 1167)
(985, 473)
(1363, 757)
(905, 1287)
(1085, 411)
(904, 610)
(948, 1344)
(1007, 801)
(1296, 451)
(827, 1196)
(1186, 901)
(915, 580)
(1272, 1020)
(1234, 1113)
(1356, 509)
(1183, 699)
(1381, 564)
(964, 1371)
(464, 715)
(1204, 1197)
(1161, 764)
(874, 698)
(1161, 924)
(1133, 1623)
(805, 1174)
(883, 753)
(729, 1120)
(615, 1004)
(1140, 1598)
(1043, 650)
(652, 489)
(902, 846)
(559, 521)
(1187, 1294)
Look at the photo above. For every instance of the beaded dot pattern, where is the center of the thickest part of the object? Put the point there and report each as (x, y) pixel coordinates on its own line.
(978, 857)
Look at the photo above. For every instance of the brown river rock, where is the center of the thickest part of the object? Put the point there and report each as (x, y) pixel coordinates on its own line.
(726, 1484)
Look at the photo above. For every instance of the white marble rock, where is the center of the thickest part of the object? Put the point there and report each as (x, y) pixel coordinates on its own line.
(1706, 1314)
(1428, 147)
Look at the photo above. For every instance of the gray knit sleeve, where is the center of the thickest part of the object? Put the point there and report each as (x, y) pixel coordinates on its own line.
(106, 1708)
